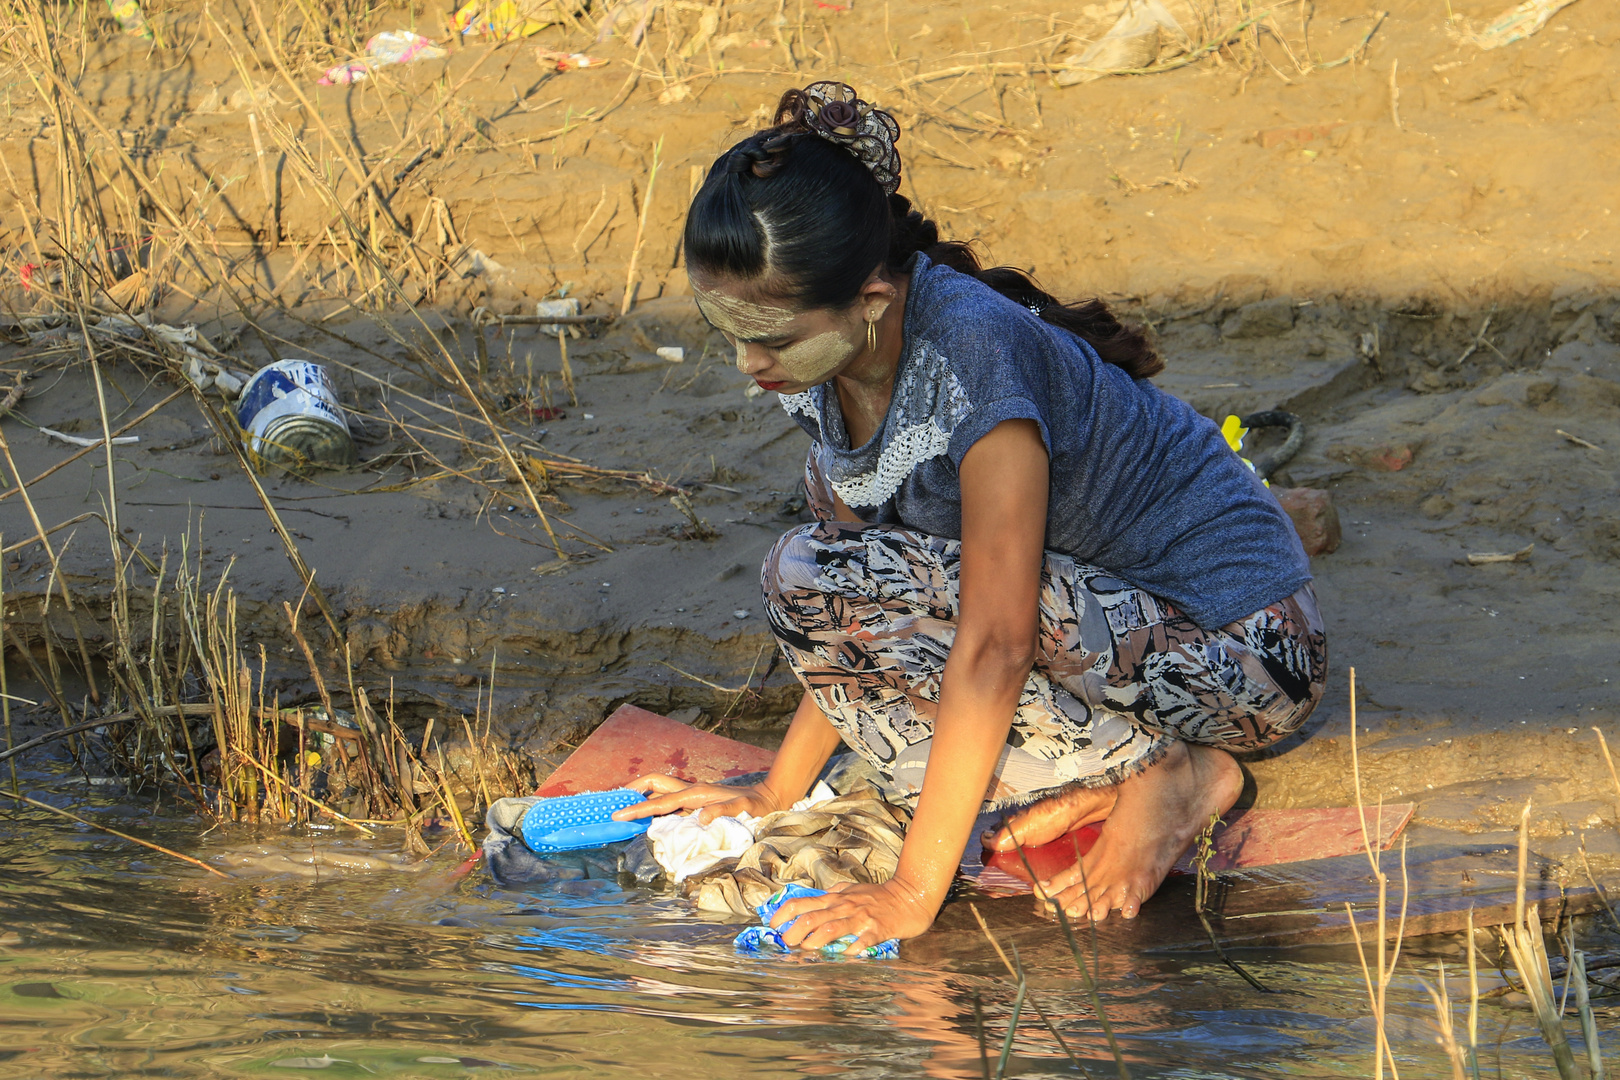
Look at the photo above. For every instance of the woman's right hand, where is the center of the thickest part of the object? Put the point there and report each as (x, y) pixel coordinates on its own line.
(667, 795)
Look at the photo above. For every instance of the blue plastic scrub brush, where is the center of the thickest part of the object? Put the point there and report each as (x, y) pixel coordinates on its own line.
(578, 822)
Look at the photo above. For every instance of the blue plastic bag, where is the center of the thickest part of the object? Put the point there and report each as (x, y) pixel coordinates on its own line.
(764, 939)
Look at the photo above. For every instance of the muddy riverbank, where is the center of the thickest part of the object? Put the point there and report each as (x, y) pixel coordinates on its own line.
(1338, 217)
(1478, 684)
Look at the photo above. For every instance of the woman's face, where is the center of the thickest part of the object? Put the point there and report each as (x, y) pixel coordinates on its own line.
(784, 350)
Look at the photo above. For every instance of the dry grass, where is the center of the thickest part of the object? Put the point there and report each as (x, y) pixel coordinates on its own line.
(1524, 943)
(187, 711)
(384, 234)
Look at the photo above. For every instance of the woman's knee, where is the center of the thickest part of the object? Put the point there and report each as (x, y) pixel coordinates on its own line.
(791, 565)
(1275, 721)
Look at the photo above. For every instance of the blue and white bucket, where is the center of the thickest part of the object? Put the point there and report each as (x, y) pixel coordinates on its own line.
(289, 412)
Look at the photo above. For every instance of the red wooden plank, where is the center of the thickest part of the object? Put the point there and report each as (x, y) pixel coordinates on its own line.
(633, 742)
(1270, 837)
(1252, 838)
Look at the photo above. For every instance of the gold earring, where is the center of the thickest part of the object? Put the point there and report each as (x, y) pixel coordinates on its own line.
(871, 334)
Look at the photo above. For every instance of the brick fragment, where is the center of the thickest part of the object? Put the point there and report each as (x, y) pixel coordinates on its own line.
(1314, 517)
(1381, 457)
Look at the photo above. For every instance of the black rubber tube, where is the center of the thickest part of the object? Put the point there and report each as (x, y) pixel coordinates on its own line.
(1269, 461)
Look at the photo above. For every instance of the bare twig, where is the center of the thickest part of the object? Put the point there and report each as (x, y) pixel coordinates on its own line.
(1017, 975)
(641, 228)
(1576, 439)
(268, 775)
(36, 804)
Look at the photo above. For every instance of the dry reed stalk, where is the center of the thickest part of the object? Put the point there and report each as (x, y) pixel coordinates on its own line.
(82, 223)
(30, 212)
(1609, 760)
(1395, 94)
(1583, 1008)
(120, 610)
(52, 686)
(452, 367)
(52, 531)
(1445, 1023)
(1596, 888)
(5, 685)
(59, 582)
(567, 369)
(1524, 851)
(226, 431)
(447, 797)
(39, 531)
(265, 187)
(1473, 996)
(271, 776)
(14, 395)
(197, 249)
(412, 132)
(641, 228)
(1087, 976)
(345, 151)
(1090, 976)
(36, 804)
(1016, 973)
(1528, 949)
(1377, 990)
(475, 751)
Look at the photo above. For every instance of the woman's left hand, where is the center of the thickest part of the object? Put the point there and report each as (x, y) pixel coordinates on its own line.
(873, 913)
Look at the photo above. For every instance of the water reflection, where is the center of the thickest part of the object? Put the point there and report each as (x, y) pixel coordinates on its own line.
(113, 965)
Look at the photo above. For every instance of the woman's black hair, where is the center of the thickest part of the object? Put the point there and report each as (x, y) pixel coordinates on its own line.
(804, 218)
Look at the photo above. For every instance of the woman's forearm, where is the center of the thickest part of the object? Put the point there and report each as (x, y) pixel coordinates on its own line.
(979, 693)
(810, 741)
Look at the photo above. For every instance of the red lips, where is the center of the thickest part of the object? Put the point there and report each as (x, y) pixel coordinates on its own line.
(763, 385)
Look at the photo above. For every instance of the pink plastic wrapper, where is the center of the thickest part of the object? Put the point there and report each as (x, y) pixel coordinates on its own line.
(391, 47)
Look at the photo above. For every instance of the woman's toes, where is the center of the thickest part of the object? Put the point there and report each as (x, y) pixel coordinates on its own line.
(1031, 827)
(1051, 818)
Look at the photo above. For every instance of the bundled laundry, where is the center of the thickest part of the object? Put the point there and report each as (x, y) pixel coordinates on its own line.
(763, 939)
(851, 838)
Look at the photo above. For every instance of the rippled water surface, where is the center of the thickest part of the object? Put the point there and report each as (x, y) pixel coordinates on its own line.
(115, 961)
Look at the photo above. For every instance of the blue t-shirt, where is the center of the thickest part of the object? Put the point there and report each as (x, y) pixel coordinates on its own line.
(1141, 485)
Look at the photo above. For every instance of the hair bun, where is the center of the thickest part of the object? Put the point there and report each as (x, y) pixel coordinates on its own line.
(762, 157)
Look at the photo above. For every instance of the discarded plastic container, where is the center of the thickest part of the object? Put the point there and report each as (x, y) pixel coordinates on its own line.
(567, 307)
(1518, 23)
(289, 411)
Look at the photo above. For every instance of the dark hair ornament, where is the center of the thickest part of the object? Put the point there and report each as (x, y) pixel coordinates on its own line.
(835, 112)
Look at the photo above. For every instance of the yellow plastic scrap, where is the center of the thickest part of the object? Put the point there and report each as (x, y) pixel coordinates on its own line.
(131, 19)
(1232, 428)
(505, 20)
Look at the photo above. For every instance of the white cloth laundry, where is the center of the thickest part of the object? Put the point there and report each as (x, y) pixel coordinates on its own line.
(684, 848)
(819, 794)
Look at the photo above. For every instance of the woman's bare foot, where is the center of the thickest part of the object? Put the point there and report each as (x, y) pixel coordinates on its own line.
(1156, 818)
(1045, 821)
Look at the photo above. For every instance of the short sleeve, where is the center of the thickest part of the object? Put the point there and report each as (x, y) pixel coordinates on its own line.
(977, 424)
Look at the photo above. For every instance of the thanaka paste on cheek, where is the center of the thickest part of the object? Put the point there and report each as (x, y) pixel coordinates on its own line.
(813, 360)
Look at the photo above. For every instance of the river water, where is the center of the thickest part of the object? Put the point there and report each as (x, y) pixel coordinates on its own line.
(116, 961)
